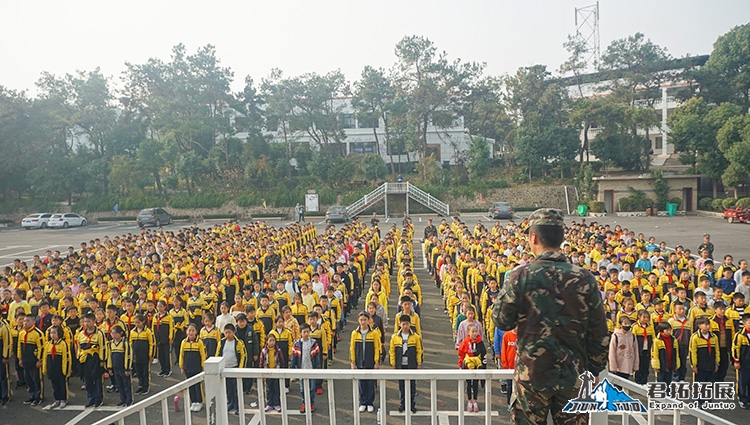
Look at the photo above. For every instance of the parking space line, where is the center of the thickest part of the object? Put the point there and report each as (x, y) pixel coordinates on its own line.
(15, 254)
(16, 246)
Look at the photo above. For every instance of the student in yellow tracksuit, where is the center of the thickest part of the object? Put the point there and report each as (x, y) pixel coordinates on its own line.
(31, 353)
(120, 363)
(364, 353)
(406, 353)
(665, 355)
(192, 357)
(56, 365)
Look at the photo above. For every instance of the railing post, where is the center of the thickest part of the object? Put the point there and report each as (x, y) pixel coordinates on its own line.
(216, 392)
(433, 402)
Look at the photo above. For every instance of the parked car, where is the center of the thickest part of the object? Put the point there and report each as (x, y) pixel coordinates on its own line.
(36, 221)
(337, 214)
(153, 217)
(501, 210)
(66, 220)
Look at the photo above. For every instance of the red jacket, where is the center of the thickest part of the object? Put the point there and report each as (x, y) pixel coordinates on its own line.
(472, 347)
(508, 354)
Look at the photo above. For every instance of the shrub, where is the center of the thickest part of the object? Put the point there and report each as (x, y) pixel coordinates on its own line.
(596, 206)
(728, 202)
(624, 203)
(122, 218)
(716, 204)
(704, 204)
(647, 202)
(743, 202)
(676, 200)
(198, 200)
(219, 216)
(248, 200)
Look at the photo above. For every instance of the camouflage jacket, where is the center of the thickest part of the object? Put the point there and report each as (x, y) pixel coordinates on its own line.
(562, 331)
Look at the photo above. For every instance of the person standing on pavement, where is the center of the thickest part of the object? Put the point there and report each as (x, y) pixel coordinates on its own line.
(562, 331)
(707, 245)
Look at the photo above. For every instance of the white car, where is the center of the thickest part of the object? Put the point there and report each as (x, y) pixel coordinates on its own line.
(66, 220)
(36, 221)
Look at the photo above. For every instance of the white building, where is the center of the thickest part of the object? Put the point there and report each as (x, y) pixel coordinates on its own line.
(449, 145)
(595, 85)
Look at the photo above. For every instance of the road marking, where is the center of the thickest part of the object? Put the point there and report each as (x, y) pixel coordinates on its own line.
(31, 250)
(321, 222)
(81, 416)
(17, 246)
(446, 413)
(80, 407)
(640, 419)
(387, 220)
(444, 420)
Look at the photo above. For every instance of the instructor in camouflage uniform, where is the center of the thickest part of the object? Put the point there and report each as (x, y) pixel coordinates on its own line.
(562, 331)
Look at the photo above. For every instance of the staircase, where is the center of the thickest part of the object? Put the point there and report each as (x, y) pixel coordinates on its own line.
(407, 189)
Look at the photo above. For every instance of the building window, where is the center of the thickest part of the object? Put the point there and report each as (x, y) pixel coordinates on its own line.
(347, 120)
(366, 123)
(362, 147)
(658, 143)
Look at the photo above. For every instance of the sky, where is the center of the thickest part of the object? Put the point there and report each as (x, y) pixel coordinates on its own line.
(252, 37)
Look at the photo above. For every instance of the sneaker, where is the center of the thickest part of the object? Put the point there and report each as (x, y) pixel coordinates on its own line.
(192, 407)
(253, 404)
(319, 391)
(155, 361)
(277, 408)
(168, 374)
(509, 407)
(302, 409)
(63, 404)
(99, 404)
(198, 407)
(83, 387)
(268, 408)
(5, 401)
(370, 408)
(476, 407)
(139, 391)
(144, 391)
(89, 404)
(401, 409)
(55, 405)
(160, 374)
(110, 388)
(413, 410)
(121, 404)
(312, 408)
(362, 408)
(29, 401)
(469, 407)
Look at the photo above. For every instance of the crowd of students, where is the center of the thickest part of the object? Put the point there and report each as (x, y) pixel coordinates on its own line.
(268, 297)
(669, 312)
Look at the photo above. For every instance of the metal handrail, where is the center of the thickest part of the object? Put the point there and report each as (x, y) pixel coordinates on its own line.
(160, 397)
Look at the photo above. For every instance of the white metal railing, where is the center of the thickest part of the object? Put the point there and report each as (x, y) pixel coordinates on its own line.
(407, 188)
(215, 375)
(631, 388)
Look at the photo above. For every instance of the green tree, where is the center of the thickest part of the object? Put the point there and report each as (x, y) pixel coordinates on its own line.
(374, 96)
(726, 75)
(479, 158)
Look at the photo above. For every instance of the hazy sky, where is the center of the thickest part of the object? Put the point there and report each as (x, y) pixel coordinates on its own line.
(252, 37)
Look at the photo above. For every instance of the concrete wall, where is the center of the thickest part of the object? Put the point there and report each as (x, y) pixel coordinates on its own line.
(519, 197)
(620, 186)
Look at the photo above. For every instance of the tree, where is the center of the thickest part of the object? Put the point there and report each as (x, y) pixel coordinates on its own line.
(150, 160)
(374, 97)
(479, 158)
(734, 142)
(726, 75)
(624, 150)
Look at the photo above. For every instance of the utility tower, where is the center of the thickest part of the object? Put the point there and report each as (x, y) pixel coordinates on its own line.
(587, 30)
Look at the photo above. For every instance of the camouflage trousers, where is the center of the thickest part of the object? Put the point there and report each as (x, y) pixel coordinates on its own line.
(532, 407)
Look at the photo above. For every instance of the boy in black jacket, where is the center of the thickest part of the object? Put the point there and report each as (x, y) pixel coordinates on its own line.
(406, 353)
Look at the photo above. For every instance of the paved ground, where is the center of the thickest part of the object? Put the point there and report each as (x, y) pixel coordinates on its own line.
(439, 352)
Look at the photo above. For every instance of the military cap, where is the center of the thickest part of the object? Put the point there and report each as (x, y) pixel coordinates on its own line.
(546, 217)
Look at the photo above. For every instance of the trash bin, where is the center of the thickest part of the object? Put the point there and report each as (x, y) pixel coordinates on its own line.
(672, 210)
(583, 210)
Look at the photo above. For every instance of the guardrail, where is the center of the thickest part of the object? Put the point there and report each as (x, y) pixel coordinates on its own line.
(215, 375)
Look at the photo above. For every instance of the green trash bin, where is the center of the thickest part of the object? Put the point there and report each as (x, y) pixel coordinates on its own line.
(583, 210)
(672, 210)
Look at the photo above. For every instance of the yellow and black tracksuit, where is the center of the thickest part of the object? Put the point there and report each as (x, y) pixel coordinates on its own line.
(665, 357)
(180, 320)
(267, 316)
(195, 307)
(682, 330)
(144, 349)
(6, 350)
(416, 325)
(211, 339)
(120, 362)
(92, 346)
(410, 358)
(192, 356)
(723, 328)
(31, 354)
(364, 353)
(56, 365)
(704, 355)
(741, 358)
(299, 312)
(163, 328)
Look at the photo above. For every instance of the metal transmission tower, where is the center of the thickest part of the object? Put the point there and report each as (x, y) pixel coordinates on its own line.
(587, 30)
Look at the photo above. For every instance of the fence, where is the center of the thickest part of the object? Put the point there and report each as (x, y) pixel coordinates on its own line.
(215, 375)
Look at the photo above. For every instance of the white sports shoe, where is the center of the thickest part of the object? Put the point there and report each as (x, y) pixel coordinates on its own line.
(370, 408)
(362, 408)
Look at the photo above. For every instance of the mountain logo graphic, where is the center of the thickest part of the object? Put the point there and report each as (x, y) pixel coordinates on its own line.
(604, 397)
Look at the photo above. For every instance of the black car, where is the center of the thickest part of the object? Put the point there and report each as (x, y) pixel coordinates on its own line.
(501, 210)
(153, 217)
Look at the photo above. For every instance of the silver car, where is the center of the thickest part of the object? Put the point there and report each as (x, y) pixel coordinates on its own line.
(36, 221)
(153, 217)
